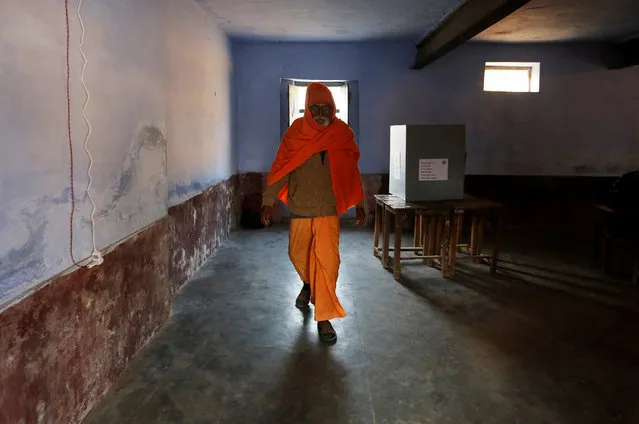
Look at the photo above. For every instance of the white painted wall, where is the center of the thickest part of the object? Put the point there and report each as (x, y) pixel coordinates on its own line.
(158, 75)
(199, 106)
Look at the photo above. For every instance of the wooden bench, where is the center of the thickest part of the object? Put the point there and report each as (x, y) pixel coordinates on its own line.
(437, 232)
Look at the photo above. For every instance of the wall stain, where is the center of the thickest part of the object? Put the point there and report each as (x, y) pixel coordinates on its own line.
(26, 262)
(150, 137)
(178, 191)
(63, 199)
(27, 259)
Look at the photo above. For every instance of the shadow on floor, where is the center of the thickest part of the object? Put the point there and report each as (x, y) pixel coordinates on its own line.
(312, 384)
(554, 337)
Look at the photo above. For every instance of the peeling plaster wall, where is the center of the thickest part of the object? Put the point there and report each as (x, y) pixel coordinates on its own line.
(62, 348)
(583, 122)
(199, 113)
(125, 75)
(198, 227)
(159, 76)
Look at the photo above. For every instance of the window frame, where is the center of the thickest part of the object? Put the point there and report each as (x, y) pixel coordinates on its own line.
(534, 74)
(306, 83)
(353, 102)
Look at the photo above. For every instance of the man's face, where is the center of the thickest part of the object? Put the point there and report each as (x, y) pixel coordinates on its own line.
(322, 113)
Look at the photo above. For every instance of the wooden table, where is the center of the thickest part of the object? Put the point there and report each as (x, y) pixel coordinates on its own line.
(388, 209)
(437, 232)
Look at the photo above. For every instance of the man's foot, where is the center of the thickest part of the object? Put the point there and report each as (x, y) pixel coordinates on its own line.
(327, 332)
(304, 297)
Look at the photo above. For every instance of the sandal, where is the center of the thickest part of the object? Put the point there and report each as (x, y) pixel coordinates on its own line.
(327, 332)
(304, 297)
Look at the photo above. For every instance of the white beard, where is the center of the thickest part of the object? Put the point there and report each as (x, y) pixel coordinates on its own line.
(322, 121)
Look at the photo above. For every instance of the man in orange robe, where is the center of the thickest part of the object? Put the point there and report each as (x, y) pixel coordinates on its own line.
(316, 174)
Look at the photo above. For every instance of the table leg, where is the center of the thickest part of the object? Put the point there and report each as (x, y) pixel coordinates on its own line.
(431, 238)
(387, 218)
(397, 252)
(378, 226)
(457, 222)
(439, 243)
(480, 234)
(441, 226)
(415, 230)
(496, 243)
(444, 246)
(423, 234)
(473, 237)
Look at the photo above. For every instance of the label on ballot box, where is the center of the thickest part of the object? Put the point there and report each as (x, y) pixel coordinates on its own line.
(433, 169)
(397, 166)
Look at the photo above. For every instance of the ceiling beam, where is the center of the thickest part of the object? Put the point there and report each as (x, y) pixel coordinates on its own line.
(468, 20)
(626, 54)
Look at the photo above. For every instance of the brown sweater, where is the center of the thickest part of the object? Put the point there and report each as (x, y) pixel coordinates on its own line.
(310, 190)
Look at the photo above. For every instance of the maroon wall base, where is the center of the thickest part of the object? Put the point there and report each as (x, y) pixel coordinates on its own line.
(66, 344)
(198, 226)
(63, 347)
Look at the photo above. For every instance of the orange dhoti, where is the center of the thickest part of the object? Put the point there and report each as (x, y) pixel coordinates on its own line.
(314, 252)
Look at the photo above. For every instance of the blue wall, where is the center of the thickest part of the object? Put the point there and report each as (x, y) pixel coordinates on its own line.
(159, 79)
(583, 122)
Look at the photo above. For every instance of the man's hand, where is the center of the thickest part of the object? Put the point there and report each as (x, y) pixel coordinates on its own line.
(360, 216)
(267, 213)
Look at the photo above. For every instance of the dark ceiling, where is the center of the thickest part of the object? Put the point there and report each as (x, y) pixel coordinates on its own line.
(567, 20)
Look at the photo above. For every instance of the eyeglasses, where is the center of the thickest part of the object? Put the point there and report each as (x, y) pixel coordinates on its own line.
(321, 110)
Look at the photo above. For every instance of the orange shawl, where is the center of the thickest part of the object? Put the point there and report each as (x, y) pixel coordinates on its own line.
(305, 137)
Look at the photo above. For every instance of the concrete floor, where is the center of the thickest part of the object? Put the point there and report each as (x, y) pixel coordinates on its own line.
(475, 349)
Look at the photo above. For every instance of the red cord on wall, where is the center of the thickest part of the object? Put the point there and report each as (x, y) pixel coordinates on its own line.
(71, 178)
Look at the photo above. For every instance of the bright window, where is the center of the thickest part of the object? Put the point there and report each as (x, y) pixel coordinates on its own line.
(512, 77)
(297, 99)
